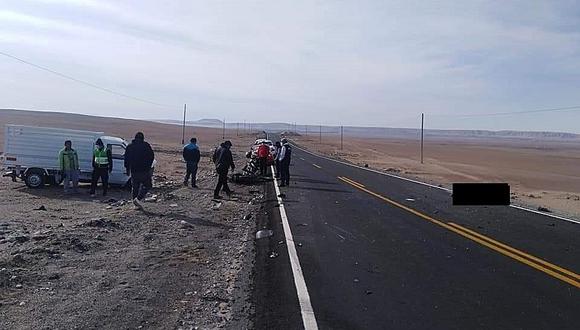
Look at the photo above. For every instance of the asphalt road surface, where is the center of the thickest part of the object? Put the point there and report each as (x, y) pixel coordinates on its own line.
(377, 252)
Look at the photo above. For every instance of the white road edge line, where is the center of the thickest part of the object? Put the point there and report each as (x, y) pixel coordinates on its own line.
(373, 170)
(308, 317)
(544, 213)
(433, 186)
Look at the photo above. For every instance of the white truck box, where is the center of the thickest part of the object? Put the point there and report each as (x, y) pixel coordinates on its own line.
(31, 154)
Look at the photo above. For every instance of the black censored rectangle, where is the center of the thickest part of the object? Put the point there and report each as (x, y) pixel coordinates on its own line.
(481, 194)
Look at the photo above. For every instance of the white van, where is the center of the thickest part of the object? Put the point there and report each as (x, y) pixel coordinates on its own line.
(31, 154)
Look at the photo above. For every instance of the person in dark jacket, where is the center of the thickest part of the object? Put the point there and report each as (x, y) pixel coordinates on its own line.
(285, 157)
(102, 166)
(139, 157)
(191, 155)
(278, 146)
(224, 161)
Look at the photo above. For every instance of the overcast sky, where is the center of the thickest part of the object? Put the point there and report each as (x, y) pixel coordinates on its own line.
(376, 63)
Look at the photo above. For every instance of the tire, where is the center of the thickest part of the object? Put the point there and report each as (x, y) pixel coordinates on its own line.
(34, 179)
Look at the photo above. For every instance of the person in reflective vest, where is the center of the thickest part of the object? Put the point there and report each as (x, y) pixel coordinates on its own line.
(102, 166)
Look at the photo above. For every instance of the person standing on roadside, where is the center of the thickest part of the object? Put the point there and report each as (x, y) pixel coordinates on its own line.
(139, 157)
(69, 166)
(224, 161)
(285, 157)
(278, 147)
(263, 153)
(102, 166)
(191, 155)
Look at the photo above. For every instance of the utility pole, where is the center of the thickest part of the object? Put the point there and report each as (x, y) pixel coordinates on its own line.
(422, 128)
(183, 128)
(320, 133)
(306, 129)
(237, 129)
(341, 136)
(224, 130)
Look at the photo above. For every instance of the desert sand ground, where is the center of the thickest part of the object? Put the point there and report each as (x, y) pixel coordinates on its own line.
(76, 262)
(540, 173)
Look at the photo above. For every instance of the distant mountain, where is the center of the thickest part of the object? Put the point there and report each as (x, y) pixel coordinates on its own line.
(215, 123)
(382, 132)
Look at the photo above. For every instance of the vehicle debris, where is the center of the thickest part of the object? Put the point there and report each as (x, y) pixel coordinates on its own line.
(264, 233)
(544, 209)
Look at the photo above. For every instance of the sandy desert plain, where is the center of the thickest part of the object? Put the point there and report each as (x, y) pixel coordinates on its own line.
(541, 172)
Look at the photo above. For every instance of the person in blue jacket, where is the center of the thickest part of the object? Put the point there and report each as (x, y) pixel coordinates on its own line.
(191, 155)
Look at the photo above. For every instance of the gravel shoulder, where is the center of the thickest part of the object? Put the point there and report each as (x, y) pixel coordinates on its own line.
(78, 262)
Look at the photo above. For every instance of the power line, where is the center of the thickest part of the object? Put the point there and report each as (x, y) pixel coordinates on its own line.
(86, 83)
(572, 108)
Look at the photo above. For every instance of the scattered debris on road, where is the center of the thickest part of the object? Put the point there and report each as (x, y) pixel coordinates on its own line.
(264, 233)
(544, 209)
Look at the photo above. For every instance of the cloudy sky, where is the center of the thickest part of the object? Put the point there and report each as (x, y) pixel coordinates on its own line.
(376, 63)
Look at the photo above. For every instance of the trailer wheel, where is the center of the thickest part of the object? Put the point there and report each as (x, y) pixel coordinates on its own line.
(34, 179)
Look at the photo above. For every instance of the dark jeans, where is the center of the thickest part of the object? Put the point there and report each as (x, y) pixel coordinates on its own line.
(103, 174)
(278, 168)
(263, 165)
(141, 182)
(285, 172)
(222, 183)
(191, 171)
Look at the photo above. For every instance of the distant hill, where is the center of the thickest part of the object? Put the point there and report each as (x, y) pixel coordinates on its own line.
(169, 131)
(214, 123)
(125, 128)
(384, 132)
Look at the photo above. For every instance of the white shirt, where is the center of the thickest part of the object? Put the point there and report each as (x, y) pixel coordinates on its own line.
(282, 153)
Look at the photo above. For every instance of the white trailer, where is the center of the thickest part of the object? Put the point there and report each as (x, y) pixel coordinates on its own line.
(31, 154)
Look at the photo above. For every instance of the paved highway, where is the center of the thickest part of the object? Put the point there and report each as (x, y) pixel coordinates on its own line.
(377, 252)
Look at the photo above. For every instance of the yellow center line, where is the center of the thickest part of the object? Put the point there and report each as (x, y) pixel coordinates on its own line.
(525, 258)
(516, 251)
(316, 166)
(352, 182)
